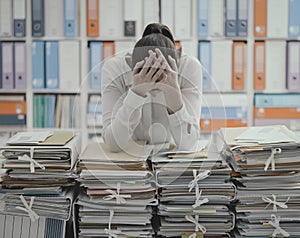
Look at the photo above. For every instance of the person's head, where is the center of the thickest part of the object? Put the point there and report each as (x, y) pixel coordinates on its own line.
(155, 35)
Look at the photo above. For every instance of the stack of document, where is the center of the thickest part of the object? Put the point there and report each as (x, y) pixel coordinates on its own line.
(118, 193)
(194, 193)
(40, 174)
(266, 164)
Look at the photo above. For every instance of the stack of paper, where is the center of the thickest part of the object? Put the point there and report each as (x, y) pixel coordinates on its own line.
(118, 195)
(193, 193)
(40, 174)
(266, 163)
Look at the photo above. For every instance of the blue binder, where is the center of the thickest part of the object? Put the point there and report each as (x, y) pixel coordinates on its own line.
(38, 66)
(96, 53)
(203, 18)
(20, 18)
(294, 19)
(242, 17)
(52, 65)
(37, 18)
(70, 12)
(230, 18)
(277, 100)
(224, 113)
(205, 59)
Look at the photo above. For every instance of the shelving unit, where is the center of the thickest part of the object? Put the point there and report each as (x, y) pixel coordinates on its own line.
(84, 91)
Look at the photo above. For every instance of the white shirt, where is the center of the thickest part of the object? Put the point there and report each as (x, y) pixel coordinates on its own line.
(128, 116)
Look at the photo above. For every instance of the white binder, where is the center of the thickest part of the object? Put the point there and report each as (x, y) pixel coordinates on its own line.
(150, 12)
(182, 20)
(111, 18)
(6, 20)
(221, 62)
(133, 18)
(216, 18)
(275, 65)
(69, 65)
(277, 18)
(54, 17)
(167, 13)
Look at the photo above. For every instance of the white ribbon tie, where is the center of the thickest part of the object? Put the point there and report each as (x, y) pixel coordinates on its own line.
(197, 177)
(271, 159)
(30, 159)
(275, 203)
(199, 201)
(109, 232)
(278, 230)
(198, 226)
(120, 198)
(28, 208)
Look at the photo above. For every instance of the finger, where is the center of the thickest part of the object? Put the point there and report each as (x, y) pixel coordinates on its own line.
(173, 63)
(155, 67)
(160, 54)
(138, 66)
(159, 75)
(148, 62)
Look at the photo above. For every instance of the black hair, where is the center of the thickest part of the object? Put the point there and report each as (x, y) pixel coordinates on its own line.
(158, 28)
(155, 36)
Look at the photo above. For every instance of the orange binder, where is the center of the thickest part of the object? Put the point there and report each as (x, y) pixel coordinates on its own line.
(238, 65)
(277, 112)
(216, 124)
(259, 82)
(92, 17)
(260, 18)
(13, 108)
(108, 49)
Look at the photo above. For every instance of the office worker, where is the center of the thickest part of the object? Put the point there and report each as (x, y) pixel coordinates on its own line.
(154, 95)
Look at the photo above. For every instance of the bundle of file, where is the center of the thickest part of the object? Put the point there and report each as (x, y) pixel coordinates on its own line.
(118, 193)
(266, 164)
(194, 193)
(40, 175)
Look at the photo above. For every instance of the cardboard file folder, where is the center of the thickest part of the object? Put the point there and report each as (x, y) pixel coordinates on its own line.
(37, 18)
(38, 66)
(20, 65)
(70, 18)
(293, 65)
(242, 17)
(54, 11)
(92, 16)
(260, 18)
(277, 18)
(19, 16)
(216, 18)
(132, 17)
(202, 19)
(275, 65)
(294, 20)
(13, 108)
(7, 65)
(6, 18)
(108, 49)
(111, 25)
(231, 17)
(259, 82)
(281, 112)
(238, 65)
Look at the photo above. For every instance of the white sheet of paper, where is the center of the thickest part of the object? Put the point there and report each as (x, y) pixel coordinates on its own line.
(29, 137)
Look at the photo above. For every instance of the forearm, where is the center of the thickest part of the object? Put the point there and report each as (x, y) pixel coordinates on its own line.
(184, 128)
(119, 130)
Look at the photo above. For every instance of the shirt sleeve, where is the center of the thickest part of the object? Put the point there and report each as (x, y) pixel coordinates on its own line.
(184, 124)
(121, 108)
